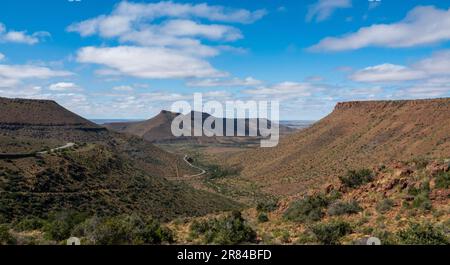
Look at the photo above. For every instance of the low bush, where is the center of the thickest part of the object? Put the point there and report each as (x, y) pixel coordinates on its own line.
(29, 224)
(422, 234)
(341, 208)
(5, 236)
(331, 233)
(310, 208)
(124, 230)
(229, 230)
(217, 172)
(423, 202)
(356, 178)
(263, 218)
(266, 206)
(60, 225)
(385, 205)
(443, 180)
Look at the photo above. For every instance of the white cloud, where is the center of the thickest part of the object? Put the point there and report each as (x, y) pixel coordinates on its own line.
(123, 88)
(323, 9)
(183, 27)
(21, 36)
(437, 64)
(21, 92)
(148, 62)
(422, 25)
(169, 31)
(12, 75)
(234, 82)
(434, 87)
(8, 82)
(387, 73)
(2, 56)
(30, 71)
(64, 86)
(284, 91)
(127, 13)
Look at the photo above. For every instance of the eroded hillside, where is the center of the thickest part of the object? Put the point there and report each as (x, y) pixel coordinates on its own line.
(355, 135)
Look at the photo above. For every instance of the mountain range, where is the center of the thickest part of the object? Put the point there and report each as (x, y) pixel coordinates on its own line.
(158, 129)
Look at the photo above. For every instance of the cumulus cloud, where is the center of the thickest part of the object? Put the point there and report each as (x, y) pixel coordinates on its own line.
(30, 71)
(21, 36)
(8, 82)
(438, 64)
(13, 75)
(284, 91)
(323, 9)
(419, 27)
(433, 87)
(21, 92)
(64, 86)
(387, 73)
(216, 82)
(148, 62)
(164, 30)
(127, 13)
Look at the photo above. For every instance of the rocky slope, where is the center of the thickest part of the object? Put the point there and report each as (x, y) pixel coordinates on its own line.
(355, 135)
(105, 173)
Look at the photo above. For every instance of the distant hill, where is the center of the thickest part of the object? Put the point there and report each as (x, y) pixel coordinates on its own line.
(39, 112)
(105, 173)
(356, 135)
(158, 129)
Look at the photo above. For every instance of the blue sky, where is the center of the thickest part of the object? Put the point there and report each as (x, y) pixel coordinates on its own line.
(118, 59)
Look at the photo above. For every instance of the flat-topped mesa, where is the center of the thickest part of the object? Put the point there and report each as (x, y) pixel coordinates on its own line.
(380, 104)
(39, 113)
(46, 119)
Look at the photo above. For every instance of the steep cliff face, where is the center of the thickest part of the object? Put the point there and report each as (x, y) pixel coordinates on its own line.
(357, 134)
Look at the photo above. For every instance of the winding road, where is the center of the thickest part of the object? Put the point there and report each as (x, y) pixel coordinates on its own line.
(191, 165)
(66, 146)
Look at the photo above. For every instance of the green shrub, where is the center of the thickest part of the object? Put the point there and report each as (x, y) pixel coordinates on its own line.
(229, 230)
(263, 218)
(266, 206)
(331, 233)
(421, 162)
(153, 233)
(356, 178)
(60, 225)
(421, 196)
(422, 201)
(29, 224)
(310, 208)
(5, 236)
(124, 230)
(341, 208)
(443, 180)
(305, 238)
(217, 172)
(422, 234)
(385, 205)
